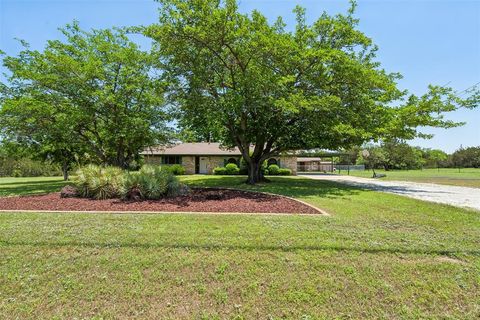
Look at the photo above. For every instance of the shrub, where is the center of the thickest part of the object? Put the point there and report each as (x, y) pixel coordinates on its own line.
(232, 169)
(273, 169)
(177, 169)
(284, 172)
(220, 171)
(152, 182)
(82, 180)
(99, 183)
(27, 168)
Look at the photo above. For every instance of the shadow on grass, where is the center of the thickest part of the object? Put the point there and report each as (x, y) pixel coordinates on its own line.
(288, 186)
(30, 187)
(245, 247)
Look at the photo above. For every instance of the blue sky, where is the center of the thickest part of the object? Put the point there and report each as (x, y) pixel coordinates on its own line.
(429, 41)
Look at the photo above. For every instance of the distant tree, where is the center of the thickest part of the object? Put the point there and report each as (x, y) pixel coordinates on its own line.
(372, 156)
(400, 155)
(95, 93)
(435, 158)
(267, 90)
(349, 156)
(466, 158)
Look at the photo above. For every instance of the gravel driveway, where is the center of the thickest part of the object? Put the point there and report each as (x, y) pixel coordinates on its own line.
(452, 195)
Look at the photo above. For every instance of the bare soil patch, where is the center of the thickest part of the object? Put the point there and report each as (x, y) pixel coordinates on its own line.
(199, 200)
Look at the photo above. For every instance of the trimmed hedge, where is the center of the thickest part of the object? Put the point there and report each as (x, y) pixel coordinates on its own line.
(232, 169)
(229, 169)
(284, 172)
(220, 171)
(176, 169)
(275, 170)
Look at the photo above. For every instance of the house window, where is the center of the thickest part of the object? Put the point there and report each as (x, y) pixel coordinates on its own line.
(272, 161)
(232, 160)
(172, 160)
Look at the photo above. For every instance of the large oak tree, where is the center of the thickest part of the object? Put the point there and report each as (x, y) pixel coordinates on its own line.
(93, 94)
(267, 90)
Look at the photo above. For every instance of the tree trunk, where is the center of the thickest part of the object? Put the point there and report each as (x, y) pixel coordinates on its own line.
(65, 171)
(255, 173)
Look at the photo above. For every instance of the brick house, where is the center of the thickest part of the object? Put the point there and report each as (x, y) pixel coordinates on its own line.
(314, 164)
(203, 157)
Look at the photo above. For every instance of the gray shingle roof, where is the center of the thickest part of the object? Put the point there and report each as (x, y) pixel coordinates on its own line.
(308, 159)
(190, 149)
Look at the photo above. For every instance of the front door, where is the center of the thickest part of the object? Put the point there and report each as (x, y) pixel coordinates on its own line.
(202, 168)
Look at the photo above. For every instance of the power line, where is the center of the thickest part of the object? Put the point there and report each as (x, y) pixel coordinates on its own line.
(468, 88)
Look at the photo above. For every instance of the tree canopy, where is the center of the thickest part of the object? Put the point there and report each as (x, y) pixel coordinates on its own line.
(94, 95)
(230, 77)
(267, 90)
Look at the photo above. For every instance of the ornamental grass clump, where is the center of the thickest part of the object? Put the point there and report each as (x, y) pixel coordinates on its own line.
(97, 182)
(150, 182)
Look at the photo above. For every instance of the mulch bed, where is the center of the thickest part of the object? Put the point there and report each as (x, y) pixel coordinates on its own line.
(199, 200)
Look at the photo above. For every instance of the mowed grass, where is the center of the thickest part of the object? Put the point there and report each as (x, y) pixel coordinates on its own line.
(29, 186)
(377, 256)
(468, 177)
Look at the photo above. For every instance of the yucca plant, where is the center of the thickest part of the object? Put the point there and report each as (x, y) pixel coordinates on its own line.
(151, 182)
(108, 184)
(100, 183)
(155, 181)
(83, 180)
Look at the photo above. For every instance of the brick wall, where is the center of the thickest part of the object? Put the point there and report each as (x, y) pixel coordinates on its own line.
(153, 159)
(290, 163)
(188, 162)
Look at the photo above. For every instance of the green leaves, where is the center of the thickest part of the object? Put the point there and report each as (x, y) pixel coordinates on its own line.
(317, 86)
(93, 93)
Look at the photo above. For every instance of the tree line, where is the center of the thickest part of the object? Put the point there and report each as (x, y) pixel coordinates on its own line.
(398, 155)
(213, 73)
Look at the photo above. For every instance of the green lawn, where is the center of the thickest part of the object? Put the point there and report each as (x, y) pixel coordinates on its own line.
(28, 186)
(377, 256)
(468, 177)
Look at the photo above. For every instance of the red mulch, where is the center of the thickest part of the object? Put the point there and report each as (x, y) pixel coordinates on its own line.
(199, 200)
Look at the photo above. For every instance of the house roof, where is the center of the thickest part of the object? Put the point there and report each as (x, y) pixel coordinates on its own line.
(308, 159)
(190, 149)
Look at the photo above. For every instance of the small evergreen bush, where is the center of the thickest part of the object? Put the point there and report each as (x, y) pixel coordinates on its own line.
(177, 169)
(284, 172)
(220, 171)
(232, 169)
(273, 170)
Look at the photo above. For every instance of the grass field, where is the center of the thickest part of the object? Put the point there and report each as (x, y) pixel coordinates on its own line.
(468, 177)
(377, 256)
(28, 186)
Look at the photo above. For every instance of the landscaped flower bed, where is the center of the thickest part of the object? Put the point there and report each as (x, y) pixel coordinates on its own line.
(198, 200)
